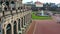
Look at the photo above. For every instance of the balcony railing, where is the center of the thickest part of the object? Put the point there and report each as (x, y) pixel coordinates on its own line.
(5, 13)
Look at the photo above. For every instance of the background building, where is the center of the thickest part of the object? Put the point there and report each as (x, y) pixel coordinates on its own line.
(38, 4)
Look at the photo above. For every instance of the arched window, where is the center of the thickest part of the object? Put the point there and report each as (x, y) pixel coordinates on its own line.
(3, 31)
(12, 5)
(12, 2)
(15, 27)
(1, 2)
(7, 3)
(0, 27)
(8, 28)
(19, 25)
(22, 22)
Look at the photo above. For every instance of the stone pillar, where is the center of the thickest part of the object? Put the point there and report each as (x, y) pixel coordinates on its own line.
(20, 23)
(17, 28)
(12, 29)
(23, 21)
(5, 30)
(29, 18)
(26, 19)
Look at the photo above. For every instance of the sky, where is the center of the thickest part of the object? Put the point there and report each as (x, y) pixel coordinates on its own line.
(43, 1)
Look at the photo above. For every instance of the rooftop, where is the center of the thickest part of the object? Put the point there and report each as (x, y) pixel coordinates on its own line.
(37, 2)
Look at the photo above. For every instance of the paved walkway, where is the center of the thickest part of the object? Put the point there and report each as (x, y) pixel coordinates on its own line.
(44, 27)
(31, 28)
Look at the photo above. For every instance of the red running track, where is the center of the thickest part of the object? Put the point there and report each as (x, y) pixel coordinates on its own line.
(45, 27)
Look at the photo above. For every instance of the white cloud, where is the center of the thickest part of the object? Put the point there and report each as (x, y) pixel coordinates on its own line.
(43, 1)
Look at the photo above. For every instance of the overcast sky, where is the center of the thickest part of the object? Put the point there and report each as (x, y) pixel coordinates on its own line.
(43, 1)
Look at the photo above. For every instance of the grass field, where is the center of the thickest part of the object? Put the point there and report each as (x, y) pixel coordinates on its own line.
(34, 17)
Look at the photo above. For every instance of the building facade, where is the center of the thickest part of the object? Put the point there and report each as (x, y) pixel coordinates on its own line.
(38, 4)
(14, 18)
(58, 5)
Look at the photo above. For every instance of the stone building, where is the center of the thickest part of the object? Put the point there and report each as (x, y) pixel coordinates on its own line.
(15, 19)
(38, 4)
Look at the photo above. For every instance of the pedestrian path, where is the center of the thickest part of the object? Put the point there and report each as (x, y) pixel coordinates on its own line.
(31, 28)
(44, 27)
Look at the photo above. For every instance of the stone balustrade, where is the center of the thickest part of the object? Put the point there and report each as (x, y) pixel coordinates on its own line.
(13, 12)
(18, 11)
(7, 13)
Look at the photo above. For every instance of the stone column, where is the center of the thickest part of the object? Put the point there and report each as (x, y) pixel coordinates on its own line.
(23, 21)
(26, 19)
(29, 18)
(17, 28)
(20, 23)
(12, 29)
(5, 30)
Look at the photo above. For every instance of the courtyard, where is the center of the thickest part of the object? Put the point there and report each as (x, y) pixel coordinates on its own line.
(44, 24)
(35, 17)
(44, 27)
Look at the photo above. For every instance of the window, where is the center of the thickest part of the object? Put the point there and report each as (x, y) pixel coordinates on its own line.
(19, 33)
(19, 24)
(21, 8)
(1, 2)
(7, 3)
(1, 5)
(3, 31)
(0, 19)
(12, 2)
(22, 22)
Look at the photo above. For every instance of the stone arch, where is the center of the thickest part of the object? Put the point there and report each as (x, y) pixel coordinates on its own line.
(3, 31)
(9, 29)
(15, 27)
(19, 24)
(13, 3)
(22, 22)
